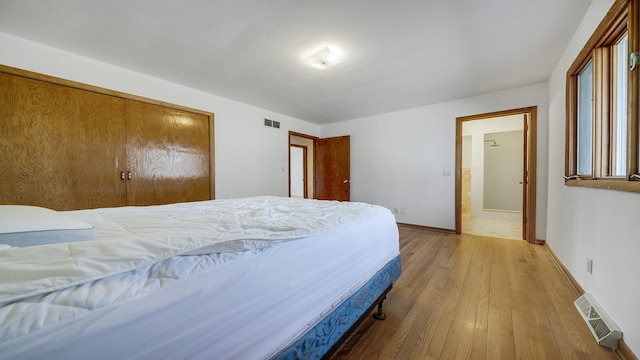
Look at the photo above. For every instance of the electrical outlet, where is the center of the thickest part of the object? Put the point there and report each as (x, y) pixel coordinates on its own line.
(590, 266)
(395, 210)
(403, 211)
(446, 172)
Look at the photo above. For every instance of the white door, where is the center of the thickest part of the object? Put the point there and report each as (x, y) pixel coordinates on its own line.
(297, 171)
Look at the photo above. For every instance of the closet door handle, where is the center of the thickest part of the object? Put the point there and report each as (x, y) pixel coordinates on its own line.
(122, 175)
(129, 175)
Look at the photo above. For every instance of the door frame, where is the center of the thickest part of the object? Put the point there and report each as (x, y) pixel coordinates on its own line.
(529, 175)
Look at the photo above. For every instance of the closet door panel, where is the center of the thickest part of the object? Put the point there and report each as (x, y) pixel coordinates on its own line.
(167, 155)
(61, 147)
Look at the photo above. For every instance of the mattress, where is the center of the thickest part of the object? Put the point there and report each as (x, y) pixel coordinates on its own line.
(246, 294)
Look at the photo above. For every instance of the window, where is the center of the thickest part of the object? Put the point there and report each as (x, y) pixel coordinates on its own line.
(602, 108)
(619, 123)
(585, 119)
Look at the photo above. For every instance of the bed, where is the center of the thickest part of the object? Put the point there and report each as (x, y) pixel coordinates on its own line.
(251, 278)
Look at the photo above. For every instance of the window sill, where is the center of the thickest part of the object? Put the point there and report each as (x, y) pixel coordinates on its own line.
(620, 185)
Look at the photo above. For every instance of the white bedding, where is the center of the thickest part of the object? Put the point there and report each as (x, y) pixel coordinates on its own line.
(142, 301)
(132, 237)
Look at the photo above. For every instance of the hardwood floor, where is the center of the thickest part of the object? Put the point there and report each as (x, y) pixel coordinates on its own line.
(472, 297)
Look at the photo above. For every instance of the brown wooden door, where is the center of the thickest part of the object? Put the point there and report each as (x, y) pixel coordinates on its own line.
(332, 168)
(167, 155)
(62, 148)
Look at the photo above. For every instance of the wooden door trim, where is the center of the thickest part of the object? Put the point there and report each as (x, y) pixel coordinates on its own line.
(531, 159)
(293, 133)
(122, 95)
(525, 182)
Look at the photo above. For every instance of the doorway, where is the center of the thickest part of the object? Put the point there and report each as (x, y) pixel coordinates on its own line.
(327, 166)
(298, 174)
(495, 174)
(301, 165)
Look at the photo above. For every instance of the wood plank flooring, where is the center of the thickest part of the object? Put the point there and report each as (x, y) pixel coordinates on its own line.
(472, 297)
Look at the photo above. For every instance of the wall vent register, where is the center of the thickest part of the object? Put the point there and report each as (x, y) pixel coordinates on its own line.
(272, 123)
(602, 327)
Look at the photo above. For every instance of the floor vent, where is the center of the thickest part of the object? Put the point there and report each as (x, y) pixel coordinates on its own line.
(602, 327)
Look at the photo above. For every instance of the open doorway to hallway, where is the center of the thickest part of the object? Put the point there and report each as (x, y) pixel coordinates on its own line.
(495, 174)
(298, 173)
(492, 185)
(301, 166)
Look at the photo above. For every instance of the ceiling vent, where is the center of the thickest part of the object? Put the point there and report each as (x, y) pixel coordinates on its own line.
(602, 327)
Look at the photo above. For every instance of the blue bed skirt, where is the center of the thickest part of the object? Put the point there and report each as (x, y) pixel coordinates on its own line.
(319, 340)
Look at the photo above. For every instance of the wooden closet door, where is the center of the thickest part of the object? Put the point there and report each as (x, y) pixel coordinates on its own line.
(61, 147)
(167, 155)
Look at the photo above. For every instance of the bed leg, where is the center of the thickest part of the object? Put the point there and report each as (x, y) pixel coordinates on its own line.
(380, 315)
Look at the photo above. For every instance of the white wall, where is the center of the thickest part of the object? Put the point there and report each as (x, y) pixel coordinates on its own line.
(250, 159)
(398, 159)
(592, 223)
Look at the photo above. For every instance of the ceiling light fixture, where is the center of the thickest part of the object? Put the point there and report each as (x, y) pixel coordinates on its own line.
(322, 59)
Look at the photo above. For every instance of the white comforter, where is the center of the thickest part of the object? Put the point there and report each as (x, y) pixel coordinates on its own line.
(202, 306)
(131, 238)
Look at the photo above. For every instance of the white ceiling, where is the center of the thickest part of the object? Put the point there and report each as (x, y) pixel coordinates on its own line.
(397, 54)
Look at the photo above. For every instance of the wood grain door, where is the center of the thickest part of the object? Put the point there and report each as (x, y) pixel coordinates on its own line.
(62, 148)
(333, 168)
(167, 155)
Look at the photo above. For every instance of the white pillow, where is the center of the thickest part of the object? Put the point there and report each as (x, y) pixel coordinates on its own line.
(22, 225)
